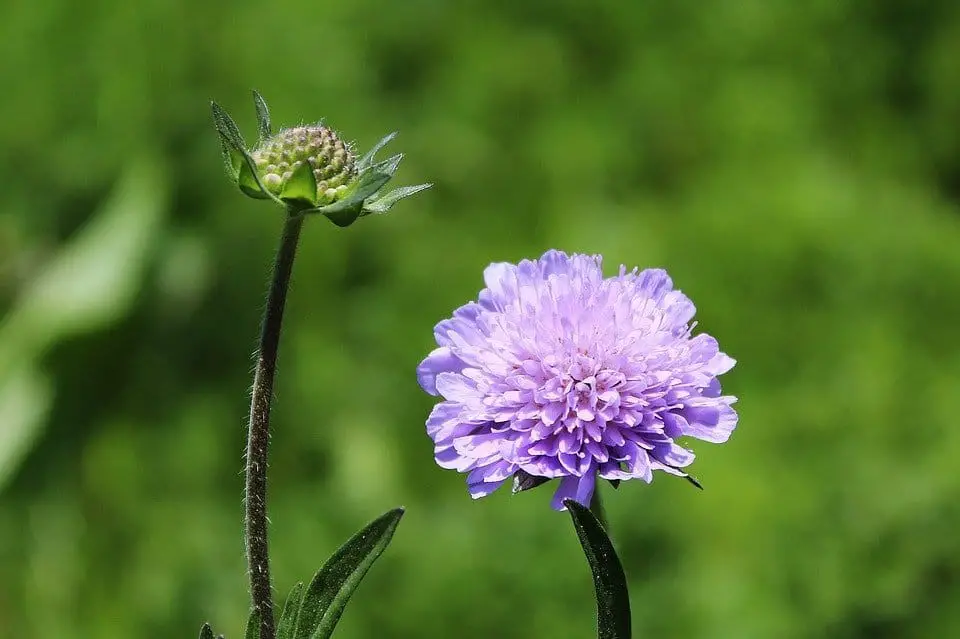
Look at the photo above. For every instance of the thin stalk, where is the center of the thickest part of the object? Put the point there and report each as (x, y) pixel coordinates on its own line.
(255, 491)
(596, 507)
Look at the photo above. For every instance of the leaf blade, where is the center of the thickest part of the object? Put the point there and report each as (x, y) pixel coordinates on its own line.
(334, 584)
(346, 211)
(231, 138)
(253, 625)
(385, 202)
(227, 128)
(291, 612)
(263, 116)
(610, 583)
(301, 186)
(388, 166)
(367, 160)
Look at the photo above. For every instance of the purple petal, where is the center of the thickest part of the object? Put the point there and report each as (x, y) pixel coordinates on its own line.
(711, 423)
(444, 422)
(548, 446)
(482, 489)
(495, 472)
(544, 467)
(579, 489)
(720, 364)
(457, 388)
(674, 425)
(674, 455)
(654, 282)
(447, 457)
(479, 446)
(440, 360)
(501, 281)
(554, 263)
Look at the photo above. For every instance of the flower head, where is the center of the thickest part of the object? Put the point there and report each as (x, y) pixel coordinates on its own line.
(332, 162)
(557, 372)
(309, 169)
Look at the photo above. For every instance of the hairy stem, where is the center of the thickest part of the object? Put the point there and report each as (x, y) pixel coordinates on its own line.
(255, 492)
(596, 507)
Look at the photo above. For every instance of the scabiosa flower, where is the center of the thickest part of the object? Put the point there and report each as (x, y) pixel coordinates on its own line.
(557, 372)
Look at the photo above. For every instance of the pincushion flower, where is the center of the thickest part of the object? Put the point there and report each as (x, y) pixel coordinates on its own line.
(556, 372)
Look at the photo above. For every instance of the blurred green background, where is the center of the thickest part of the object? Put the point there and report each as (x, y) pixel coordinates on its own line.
(796, 167)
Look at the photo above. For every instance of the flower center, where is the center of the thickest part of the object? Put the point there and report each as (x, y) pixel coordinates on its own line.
(331, 160)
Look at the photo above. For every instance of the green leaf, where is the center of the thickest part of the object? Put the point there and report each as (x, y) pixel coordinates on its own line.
(383, 203)
(367, 160)
(247, 178)
(263, 116)
(253, 625)
(227, 128)
(613, 600)
(388, 166)
(232, 161)
(206, 632)
(370, 182)
(250, 184)
(345, 217)
(291, 613)
(334, 584)
(302, 186)
(345, 212)
(92, 282)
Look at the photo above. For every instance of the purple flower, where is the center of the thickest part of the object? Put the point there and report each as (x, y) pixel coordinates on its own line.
(556, 372)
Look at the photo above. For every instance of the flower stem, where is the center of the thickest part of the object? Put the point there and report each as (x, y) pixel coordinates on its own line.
(596, 507)
(255, 492)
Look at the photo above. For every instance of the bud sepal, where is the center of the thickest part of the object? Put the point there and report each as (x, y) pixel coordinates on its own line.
(308, 169)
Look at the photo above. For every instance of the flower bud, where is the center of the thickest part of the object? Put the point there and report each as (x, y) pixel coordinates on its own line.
(309, 169)
(330, 159)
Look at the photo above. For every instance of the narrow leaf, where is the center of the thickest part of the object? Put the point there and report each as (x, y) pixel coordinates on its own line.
(227, 128)
(263, 116)
(344, 212)
(385, 203)
(370, 182)
(367, 160)
(253, 625)
(206, 632)
(231, 142)
(388, 166)
(247, 178)
(613, 600)
(291, 612)
(231, 159)
(335, 583)
(302, 186)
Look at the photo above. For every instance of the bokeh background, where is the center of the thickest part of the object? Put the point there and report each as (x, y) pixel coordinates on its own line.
(796, 167)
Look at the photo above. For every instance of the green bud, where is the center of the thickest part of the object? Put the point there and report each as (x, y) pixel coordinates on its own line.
(331, 161)
(309, 169)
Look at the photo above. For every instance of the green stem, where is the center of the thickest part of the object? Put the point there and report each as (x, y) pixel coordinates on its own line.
(255, 492)
(596, 507)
